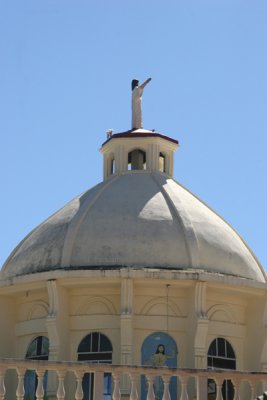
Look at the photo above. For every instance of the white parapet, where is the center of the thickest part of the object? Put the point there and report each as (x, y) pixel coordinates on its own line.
(74, 372)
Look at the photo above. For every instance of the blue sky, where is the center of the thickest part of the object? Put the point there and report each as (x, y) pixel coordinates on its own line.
(65, 74)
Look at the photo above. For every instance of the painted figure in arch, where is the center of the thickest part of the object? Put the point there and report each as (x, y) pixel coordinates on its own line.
(159, 350)
(159, 359)
(137, 92)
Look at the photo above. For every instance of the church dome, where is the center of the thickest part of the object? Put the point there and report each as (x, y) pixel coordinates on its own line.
(136, 219)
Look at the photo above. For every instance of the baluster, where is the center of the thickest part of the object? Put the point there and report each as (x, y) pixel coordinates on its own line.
(20, 388)
(60, 389)
(236, 384)
(184, 395)
(40, 389)
(150, 390)
(134, 392)
(219, 383)
(166, 393)
(116, 392)
(79, 388)
(2, 384)
(253, 386)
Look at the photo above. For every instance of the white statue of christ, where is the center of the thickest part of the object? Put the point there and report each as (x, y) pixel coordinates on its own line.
(137, 92)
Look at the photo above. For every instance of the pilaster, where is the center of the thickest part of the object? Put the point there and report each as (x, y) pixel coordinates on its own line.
(153, 157)
(169, 167)
(202, 325)
(126, 329)
(58, 330)
(120, 159)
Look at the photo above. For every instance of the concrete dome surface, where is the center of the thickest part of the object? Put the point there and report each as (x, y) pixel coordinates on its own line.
(138, 219)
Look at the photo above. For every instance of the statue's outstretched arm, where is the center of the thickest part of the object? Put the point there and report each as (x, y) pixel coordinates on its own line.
(145, 83)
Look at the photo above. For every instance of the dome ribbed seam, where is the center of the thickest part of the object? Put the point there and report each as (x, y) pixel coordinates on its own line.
(191, 241)
(76, 223)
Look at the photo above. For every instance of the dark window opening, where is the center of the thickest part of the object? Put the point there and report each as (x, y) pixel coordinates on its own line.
(221, 356)
(96, 348)
(162, 162)
(38, 350)
(136, 160)
(112, 167)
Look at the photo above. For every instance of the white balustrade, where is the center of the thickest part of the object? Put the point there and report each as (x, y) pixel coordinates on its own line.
(61, 389)
(134, 392)
(150, 390)
(236, 384)
(116, 392)
(78, 369)
(2, 383)
(40, 389)
(79, 388)
(219, 383)
(166, 392)
(253, 386)
(184, 395)
(20, 388)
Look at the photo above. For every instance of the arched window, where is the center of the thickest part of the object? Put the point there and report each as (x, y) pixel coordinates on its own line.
(96, 348)
(159, 350)
(221, 356)
(136, 160)
(162, 162)
(38, 349)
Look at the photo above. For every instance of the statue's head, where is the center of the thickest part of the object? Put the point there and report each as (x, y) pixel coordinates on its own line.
(160, 349)
(135, 83)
